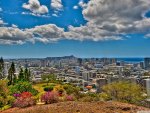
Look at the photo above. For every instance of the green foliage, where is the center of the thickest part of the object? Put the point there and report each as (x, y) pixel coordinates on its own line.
(49, 78)
(59, 88)
(21, 75)
(23, 86)
(95, 96)
(69, 89)
(10, 100)
(5, 99)
(104, 97)
(4, 88)
(1, 68)
(87, 99)
(24, 75)
(49, 88)
(146, 74)
(11, 74)
(27, 74)
(124, 91)
(90, 97)
(6, 107)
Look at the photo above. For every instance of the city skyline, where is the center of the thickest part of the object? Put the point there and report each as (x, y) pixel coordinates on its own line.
(83, 28)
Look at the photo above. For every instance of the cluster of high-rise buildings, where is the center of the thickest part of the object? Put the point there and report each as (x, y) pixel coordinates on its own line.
(84, 72)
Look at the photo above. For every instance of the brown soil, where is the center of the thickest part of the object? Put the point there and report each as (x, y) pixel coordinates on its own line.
(80, 107)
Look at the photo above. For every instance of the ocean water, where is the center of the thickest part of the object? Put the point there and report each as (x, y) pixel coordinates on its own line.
(131, 60)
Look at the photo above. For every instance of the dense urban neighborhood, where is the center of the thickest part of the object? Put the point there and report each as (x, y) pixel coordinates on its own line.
(85, 72)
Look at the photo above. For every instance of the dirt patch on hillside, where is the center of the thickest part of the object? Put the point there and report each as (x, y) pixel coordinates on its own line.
(81, 107)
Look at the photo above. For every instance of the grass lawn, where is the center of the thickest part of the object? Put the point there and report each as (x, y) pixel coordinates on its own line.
(40, 87)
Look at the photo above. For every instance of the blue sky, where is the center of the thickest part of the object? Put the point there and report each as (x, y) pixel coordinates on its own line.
(41, 28)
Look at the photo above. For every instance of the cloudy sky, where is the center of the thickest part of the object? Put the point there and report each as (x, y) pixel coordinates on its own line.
(84, 28)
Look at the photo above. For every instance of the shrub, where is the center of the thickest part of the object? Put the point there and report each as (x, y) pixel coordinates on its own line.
(59, 89)
(26, 95)
(69, 98)
(3, 101)
(49, 78)
(4, 93)
(24, 102)
(124, 91)
(33, 91)
(50, 97)
(23, 87)
(50, 88)
(95, 96)
(69, 89)
(87, 99)
(5, 107)
(10, 100)
(72, 90)
(105, 97)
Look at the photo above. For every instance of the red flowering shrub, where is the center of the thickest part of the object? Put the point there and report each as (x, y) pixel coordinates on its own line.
(50, 97)
(26, 95)
(25, 100)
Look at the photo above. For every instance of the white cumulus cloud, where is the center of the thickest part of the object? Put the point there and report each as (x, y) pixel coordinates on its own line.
(48, 32)
(56, 4)
(116, 15)
(11, 35)
(35, 7)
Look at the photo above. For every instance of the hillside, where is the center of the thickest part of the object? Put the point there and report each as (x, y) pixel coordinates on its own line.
(81, 107)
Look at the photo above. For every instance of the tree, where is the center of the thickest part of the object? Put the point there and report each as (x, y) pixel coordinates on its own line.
(49, 78)
(146, 74)
(21, 75)
(124, 91)
(27, 74)
(22, 86)
(1, 68)
(11, 74)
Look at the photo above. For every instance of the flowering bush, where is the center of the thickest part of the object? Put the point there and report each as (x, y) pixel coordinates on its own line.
(24, 100)
(50, 97)
(69, 98)
(16, 95)
(26, 95)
